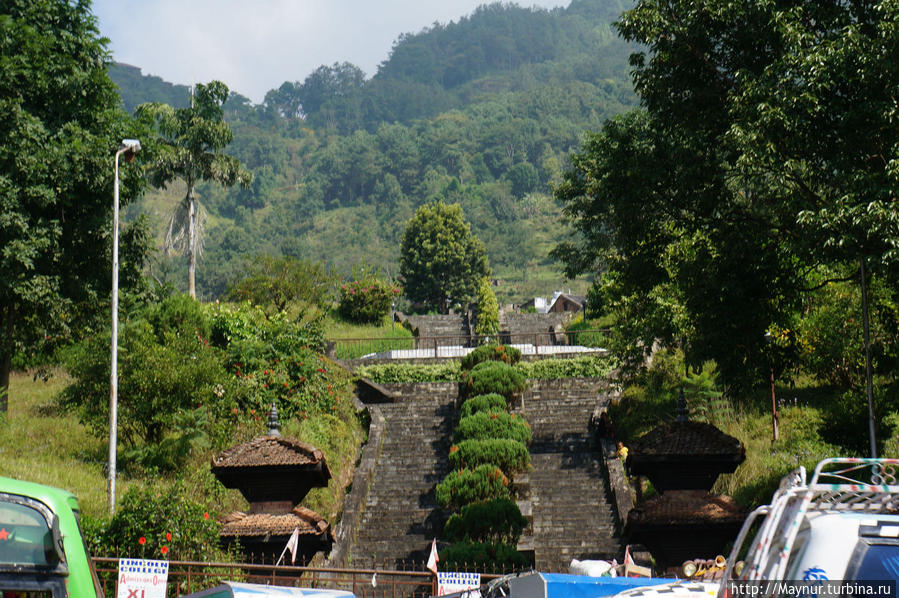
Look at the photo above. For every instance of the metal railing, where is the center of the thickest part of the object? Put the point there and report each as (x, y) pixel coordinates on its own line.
(186, 577)
(537, 343)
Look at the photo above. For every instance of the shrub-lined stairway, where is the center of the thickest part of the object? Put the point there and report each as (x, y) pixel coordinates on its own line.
(565, 494)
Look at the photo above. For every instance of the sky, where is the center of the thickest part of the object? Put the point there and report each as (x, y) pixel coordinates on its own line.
(256, 45)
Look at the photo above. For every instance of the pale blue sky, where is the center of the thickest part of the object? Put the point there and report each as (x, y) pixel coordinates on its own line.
(256, 45)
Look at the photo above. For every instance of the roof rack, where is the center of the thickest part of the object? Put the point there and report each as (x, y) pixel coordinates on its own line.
(869, 486)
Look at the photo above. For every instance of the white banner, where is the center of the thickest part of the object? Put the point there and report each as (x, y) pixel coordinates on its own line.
(139, 578)
(450, 582)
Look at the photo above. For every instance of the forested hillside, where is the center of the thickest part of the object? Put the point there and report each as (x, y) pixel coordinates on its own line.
(481, 112)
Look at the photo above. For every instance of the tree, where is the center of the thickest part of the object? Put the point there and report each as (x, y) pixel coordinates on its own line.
(276, 283)
(440, 260)
(62, 124)
(192, 142)
(488, 312)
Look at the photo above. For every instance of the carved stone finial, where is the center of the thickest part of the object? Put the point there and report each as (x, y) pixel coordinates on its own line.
(273, 424)
(681, 411)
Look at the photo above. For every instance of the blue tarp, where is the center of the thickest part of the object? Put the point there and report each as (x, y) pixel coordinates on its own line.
(561, 585)
(233, 589)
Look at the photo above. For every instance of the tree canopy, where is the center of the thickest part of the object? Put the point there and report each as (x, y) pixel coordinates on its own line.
(441, 262)
(61, 126)
(762, 166)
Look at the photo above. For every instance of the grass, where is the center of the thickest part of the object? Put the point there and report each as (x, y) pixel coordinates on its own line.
(40, 443)
(384, 336)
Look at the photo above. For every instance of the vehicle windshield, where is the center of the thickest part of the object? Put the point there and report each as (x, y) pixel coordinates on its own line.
(25, 537)
(877, 561)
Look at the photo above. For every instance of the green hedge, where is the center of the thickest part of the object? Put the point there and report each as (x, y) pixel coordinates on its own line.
(509, 455)
(588, 366)
(482, 426)
(490, 403)
(503, 353)
(399, 373)
(494, 376)
(493, 521)
(466, 486)
(482, 557)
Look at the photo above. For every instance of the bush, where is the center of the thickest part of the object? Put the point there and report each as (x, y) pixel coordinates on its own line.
(588, 366)
(466, 486)
(509, 455)
(493, 521)
(494, 377)
(490, 403)
(488, 311)
(482, 426)
(400, 373)
(245, 324)
(153, 524)
(366, 300)
(504, 353)
(593, 338)
(482, 557)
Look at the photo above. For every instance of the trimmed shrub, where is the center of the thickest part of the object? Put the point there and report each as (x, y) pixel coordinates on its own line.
(504, 353)
(488, 311)
(494, 376)
(482, 426)
(490, 403)
(495, 521)
(483, 557)
(509, 455)
(466, 486)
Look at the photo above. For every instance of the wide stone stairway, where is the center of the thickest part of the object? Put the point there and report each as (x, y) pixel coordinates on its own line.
(570, 501)
(565, 494)
(401, 516)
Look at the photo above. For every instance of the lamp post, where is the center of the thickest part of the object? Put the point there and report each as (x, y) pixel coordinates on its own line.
(129, 147)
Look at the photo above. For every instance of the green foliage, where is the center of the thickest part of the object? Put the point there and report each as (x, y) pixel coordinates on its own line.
(490, 403)
(189, 148)
(153, 524)
(159, 380)
(488, 311)
(61, 125)
(246, 325)
(509, 455)
(594, 338)
(701, 392)
(277, 283)
(504, 353)
(484, 557)
(397, 373)
(465, 486)
(441, 262)
(589, 366)
(485, 425)
(366, 300)
(494, 521)
(493, 377)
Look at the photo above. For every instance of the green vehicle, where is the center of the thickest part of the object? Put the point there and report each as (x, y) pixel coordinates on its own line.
(42, 551)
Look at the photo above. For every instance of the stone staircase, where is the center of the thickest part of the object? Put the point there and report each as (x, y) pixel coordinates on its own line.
(400, 517)
(566, 494)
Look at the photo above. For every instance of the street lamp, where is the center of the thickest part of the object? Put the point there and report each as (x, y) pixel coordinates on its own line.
(129, 147)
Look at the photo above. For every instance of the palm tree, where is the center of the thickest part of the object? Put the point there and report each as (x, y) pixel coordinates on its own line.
(190, 149)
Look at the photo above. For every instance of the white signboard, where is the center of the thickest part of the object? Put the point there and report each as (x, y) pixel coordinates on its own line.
(139, 578)
(450, 582)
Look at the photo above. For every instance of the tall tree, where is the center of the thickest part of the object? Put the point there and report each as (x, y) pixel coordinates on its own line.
(61, 125)
(192, 142)
(440, 260)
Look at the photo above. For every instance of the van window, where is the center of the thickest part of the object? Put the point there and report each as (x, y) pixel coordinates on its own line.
(875, 562)
(25, 537)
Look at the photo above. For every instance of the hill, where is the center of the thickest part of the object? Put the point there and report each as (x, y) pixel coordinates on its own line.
(483, 112)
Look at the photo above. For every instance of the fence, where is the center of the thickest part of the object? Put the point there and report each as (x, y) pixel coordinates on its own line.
(449, 346)
(186, 577)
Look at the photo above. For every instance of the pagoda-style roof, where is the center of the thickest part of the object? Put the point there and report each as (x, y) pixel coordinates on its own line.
(684, 455)
(685, 524)
(272, 468)
(249, 525)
